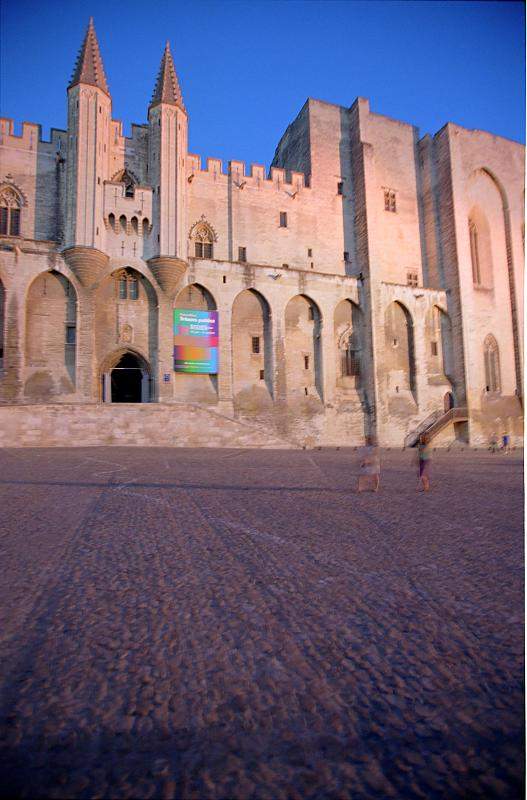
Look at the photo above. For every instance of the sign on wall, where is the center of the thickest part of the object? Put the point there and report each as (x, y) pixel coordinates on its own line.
(195, 341)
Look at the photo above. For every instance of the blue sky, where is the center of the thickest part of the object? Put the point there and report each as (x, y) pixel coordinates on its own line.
(246, 68)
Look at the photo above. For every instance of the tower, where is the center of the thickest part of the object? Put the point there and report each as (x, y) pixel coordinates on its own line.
(167, 155)
(89, 117)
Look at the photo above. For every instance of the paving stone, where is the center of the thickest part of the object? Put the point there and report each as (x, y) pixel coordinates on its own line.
(249, 626)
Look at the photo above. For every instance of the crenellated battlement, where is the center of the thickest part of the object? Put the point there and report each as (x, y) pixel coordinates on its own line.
(30, 135)
(256, 176)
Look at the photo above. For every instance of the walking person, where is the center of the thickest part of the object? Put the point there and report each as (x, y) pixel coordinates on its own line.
(506, 447)
(424, 456)
(370, 467)
(494, 443)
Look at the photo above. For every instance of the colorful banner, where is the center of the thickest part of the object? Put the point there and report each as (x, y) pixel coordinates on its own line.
(195, 341)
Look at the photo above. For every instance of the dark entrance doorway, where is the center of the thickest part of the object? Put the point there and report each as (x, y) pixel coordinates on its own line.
(127, 379)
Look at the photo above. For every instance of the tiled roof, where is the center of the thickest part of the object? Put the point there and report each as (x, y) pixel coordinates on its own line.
(89, 67)
(167, 89)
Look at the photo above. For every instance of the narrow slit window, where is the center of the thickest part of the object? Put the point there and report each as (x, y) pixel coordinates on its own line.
(133, 288)
(389, 200)
(306, 362)
(340, 187)
(255, 344)
(242, 254)
(70, 334)
(283, 219)
(433, 346)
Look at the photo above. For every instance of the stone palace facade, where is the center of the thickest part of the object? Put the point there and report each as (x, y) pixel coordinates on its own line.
(371, 282)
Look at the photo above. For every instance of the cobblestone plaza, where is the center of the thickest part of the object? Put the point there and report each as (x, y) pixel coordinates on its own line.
(212, 624)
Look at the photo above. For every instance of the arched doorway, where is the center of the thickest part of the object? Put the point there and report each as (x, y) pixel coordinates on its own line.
(126, 379)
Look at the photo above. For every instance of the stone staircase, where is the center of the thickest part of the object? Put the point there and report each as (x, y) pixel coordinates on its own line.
(434, 423)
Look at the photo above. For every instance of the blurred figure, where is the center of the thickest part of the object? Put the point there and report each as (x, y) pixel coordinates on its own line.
(424, 455)
(506, 446)
(493, 444)
(370, 467)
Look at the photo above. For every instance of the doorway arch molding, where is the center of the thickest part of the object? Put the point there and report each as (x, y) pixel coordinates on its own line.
(111, 361)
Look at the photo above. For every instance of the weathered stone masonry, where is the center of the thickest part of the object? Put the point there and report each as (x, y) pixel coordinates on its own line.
(370, 282)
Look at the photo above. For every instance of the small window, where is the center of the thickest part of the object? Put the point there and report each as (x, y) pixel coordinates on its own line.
(433, 346)
(283, 219)
(123, 288)
(306, 362)
(133, 289)
(351, 363)
(340, 188)
(70, 334)
(285, 266)
(411, 279)
(395, 342)
(224, 279)
(346, 255)
(9, 214)
(256, 344)
(242, 254)
(309, 252)
(262, 375)
(389, 200)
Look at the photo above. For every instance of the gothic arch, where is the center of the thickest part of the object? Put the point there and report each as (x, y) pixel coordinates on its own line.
(51, 314)
(197, 387)
(348, 336)
(202, 226)
(126, 376)
(195, 296)
(439, 345)
(11, 204)
(491, 357)
(510, 269)
(127, 177)
(127, 319)
(303, 351)
(12, 194)
(399, 349)
(480, 248)
(251, 349)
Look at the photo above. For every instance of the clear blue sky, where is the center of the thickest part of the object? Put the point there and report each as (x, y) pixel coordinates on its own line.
(246, 68)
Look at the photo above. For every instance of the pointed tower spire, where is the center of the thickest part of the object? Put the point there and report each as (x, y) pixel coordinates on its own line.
(167, 89)
(89, 68)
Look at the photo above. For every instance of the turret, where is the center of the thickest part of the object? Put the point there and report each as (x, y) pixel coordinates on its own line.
(167, 155)
(88, 158)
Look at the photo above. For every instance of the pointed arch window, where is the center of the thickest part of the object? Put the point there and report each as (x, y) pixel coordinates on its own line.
(203, 242)
(10, 212)
(124, 176)
(127, 286)
(474, 253)
(492, 365)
